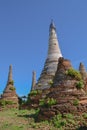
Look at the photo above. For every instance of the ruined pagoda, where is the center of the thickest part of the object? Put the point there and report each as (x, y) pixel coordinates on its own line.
(51, 62)
(67, 91)
(9, 93)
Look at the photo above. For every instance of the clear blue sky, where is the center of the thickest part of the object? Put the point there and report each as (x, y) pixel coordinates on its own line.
(24, 32)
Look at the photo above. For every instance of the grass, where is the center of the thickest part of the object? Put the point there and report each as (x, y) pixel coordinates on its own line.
(9, 120)
(14, 119)
(26, 120)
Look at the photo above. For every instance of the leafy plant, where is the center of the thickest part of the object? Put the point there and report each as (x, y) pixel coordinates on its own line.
(74, 73)
(12, 88)
(47, 102)
(51, 101)
(39, 91)
(6, 102)
(58, 121)
(39, 84)
(2, 102)
(79, 84)
(42, 102)
(50, 82)
(76, 102)
(85, 115)
(11, 82)
(35, 92)
(36, 113)
(69, 116)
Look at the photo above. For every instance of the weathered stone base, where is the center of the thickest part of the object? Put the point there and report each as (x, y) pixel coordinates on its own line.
(49, 113)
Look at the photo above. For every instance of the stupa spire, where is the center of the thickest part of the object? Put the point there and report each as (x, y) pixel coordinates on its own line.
(10, 74)
(33, 80)
(53, 49)
(52, 25)
(82, 70)
(51, 62)
(9, 93)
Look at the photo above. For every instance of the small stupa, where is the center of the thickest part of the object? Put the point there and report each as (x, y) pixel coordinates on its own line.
(9, 93)
(33, 80)
(82, 70)
(50, 66)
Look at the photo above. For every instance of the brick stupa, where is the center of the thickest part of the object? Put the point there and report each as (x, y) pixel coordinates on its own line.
(51, 62)
(70, 98)
(33, 80)
(82, 70)
(9, 93)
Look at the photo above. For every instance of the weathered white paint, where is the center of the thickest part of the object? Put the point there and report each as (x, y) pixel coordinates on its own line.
(51, 62)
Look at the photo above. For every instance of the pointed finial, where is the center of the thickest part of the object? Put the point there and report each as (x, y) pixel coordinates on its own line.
(52, 25)
(10, 74)
(52, 21)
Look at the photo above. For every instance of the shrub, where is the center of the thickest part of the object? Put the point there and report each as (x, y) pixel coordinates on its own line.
(6, 102)
(85, 115)
(11, 82)
(42, 102)
(51, 101)
(47, 102)
(79, 84)
(35, 92)
(74, 73)
(76, 102)
(39, 91)
(28, 100)
(12, 88)
(58, 121)
(71, 121)
(2, 102)
(36, 113)
(69, 116)
(50, 82)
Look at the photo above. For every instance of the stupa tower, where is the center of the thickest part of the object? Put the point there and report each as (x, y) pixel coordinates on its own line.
(10, 74)
(9, 93)
(82, 70)
(33, 80)
(51, 62)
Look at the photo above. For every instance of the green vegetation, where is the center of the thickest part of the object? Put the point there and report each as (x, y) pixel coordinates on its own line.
(74, 73)
(80, 84)
(11, 82)
(69, 121)
(50, 82)
(69, 116)
(14, 119)
(12, 88)
(35, 92)
(6, 102)
(76, 102)
(85, 115)
(39, 84)
(47, 102)
(21, 120)
(42, 102)
(58, 121)
(51, 101)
